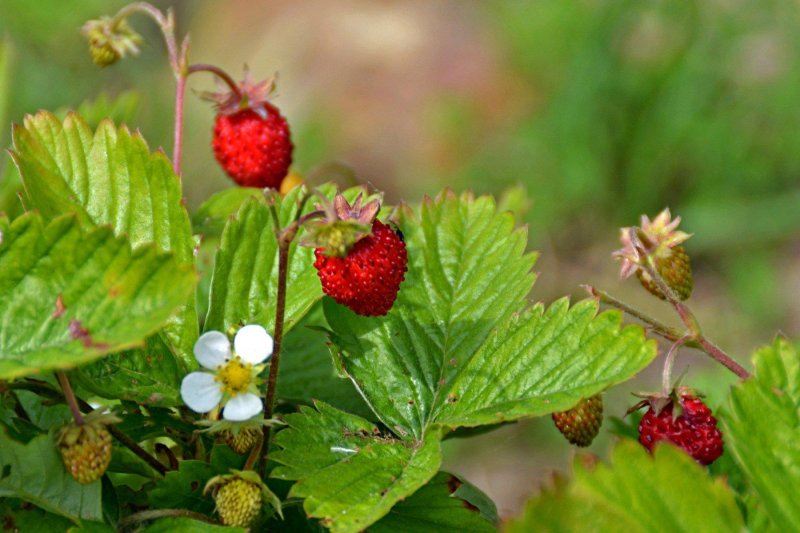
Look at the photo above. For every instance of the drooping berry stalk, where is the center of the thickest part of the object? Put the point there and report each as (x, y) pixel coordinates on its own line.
(669, 361)
(177, 60)
(45, 389)
(69, 395)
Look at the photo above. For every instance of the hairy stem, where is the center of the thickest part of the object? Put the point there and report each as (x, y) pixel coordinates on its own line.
(658, 327)
(218, 72)
(723, 358)
(177, 61)
(165, 23)
(69, 395)
(666, 376)
(272, 380)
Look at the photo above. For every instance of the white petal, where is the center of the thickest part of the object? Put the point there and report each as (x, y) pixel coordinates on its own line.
(212, 349)
(200, 391)
(253, 344)
(242, 407)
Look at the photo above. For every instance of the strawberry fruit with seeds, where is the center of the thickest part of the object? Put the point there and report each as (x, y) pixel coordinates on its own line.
(360, 261)
(251, 138)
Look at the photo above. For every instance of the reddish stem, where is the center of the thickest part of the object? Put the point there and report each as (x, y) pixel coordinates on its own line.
(70, 397)
(219, 73)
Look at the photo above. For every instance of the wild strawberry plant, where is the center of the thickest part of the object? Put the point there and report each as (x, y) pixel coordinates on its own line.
(342, 340)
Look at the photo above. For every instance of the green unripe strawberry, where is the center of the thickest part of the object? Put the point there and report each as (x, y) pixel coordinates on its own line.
(243, 440)
(86, 448)
(238, 502)
(656, 245)
(676, 269)
(581, 424)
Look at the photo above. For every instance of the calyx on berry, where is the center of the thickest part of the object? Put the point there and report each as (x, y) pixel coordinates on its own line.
(659, 243)
(240, 497)
(247, 95)
(344, 225)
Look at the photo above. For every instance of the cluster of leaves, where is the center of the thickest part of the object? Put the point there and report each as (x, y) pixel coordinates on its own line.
(98, 278)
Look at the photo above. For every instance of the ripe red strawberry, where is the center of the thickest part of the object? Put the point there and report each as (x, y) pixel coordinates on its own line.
(251, 139)
(368, 278)
(581, 424)
(694, 429)
(253, 148)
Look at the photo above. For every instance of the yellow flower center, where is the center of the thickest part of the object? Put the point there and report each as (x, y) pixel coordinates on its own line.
(235, 376)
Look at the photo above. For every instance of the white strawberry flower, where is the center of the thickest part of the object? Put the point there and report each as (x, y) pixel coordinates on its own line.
(232, 380)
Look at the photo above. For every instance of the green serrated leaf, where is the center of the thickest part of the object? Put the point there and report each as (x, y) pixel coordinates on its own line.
(636, 493)
(183, 488)
(120, 109)
(456, 348)
(544, 361)
(212, 215)
(467, 272)
(763, 430)
(44, 416)
(307, 372)
(68, 297)
(445, 503)
(109, 177)
(187, 525)
(33, 472)
(348, 472)
(243, 286)
(151, 375)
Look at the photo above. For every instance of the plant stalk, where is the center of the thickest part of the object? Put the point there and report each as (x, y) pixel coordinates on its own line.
(272, 380)
(666, 376)
(42, 388)
(69, 395)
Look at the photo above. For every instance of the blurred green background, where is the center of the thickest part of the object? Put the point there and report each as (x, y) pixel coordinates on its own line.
(600, 110)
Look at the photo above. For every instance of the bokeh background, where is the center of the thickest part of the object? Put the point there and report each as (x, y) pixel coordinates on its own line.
(588, 112)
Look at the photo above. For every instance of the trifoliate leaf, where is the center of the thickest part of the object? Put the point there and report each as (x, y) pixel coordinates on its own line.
(763, 430)
(459, 348)
(349, 473)
(68, 297)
